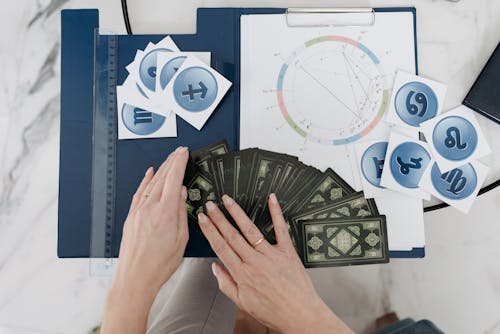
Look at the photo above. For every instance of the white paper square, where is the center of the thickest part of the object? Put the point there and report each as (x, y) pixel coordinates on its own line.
(370, 171)
(131, 94)
(405, 221)
(132, 67)
(165, 74)
(165, 43)
(458, 187)
(194, 91)
(150, 53)
(405, 163)
(139, 122)
(414, 99)
(455, 134)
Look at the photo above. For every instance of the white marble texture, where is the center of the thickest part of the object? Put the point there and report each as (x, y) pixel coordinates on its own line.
(457, 285)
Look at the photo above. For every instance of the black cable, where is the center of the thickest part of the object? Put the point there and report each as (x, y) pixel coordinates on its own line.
(125, 17)
(427, 209)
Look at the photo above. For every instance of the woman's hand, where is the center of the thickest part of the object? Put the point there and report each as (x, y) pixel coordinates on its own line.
(155, 235)
(268, 282)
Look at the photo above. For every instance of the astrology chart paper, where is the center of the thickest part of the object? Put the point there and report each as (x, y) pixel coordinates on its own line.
(315, 91)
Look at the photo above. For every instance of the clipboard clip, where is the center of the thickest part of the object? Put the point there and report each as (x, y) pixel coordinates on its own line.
(325, 17)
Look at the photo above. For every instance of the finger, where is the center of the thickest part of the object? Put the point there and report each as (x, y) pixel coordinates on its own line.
(225, 253)
(247, 227)
(148, 176)
(280, 226)
(175, 176)
(152, 185)
(229, 233)
(226, 282)
(183, 228)
(162, 176)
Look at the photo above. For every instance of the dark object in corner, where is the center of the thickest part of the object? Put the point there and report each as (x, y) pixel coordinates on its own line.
(484, 96)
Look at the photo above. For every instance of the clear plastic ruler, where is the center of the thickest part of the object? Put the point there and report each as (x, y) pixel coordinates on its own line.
(104, 140)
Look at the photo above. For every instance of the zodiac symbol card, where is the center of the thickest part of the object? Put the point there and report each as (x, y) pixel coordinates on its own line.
(405, 163)
(457, 187)
(414, 100)
(455, 138)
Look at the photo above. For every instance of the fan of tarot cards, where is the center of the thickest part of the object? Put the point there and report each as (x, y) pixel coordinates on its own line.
(330, 224)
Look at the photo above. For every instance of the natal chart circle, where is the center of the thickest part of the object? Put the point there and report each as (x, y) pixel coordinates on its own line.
(332, 90)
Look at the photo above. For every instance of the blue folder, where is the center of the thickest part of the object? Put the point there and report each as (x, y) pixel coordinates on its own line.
(218, 31)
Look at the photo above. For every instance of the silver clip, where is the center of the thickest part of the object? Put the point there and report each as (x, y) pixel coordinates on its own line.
(324, 17)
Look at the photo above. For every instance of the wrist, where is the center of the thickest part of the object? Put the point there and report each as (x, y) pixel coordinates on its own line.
(317, 318)
(127, 308)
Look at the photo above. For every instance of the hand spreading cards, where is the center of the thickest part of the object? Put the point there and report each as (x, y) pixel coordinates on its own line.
(162, 83)
(330, 224)
(444, 165)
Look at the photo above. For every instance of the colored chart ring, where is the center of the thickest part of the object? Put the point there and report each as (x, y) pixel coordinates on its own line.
(303, 132)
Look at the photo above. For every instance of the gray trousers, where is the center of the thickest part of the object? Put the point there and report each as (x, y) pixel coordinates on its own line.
(191, 302)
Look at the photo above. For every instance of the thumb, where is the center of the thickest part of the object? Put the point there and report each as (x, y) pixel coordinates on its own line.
(226, 282)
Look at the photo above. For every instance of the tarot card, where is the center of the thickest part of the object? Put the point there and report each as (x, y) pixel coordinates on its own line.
(216, 167)
(198, 159)
(331, 187)
(200, 190)
(343, 241)
(201, 155)
(247, 159)
(230, 161)
(262, 173)
(351, 206)
(301, 186)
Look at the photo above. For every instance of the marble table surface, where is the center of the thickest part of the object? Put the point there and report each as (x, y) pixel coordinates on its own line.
(457, 284)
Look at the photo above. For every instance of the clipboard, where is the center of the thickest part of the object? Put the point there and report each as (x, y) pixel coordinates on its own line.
(79, 231)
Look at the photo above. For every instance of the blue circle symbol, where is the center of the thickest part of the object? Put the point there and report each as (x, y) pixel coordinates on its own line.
(455, 184)
(147, 68)
(408, 163)
(455, 138)
(140, 121)
(169, 69)
(415, 102)
(195, 89)
(372, 163)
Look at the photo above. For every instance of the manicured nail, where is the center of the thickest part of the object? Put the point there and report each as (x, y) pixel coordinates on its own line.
(273, 199)
(228, 201)
(181, 149)
(210, 206)
(184, 193)
(148, 171)
(214, 269)
(202, 219)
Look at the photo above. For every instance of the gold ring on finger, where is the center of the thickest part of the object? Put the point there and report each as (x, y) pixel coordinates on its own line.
(258, 242)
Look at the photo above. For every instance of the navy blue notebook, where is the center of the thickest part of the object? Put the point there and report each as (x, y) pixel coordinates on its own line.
(218, 31)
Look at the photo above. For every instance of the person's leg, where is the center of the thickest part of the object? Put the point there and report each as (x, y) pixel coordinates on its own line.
(191, 302)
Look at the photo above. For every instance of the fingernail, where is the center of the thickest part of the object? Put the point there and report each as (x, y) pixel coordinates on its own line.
(227, 200)
(214, 269)
(210, 206)
(273, 199)
(148, 171)
(184, 193)
(202, 219)
(181, 149)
